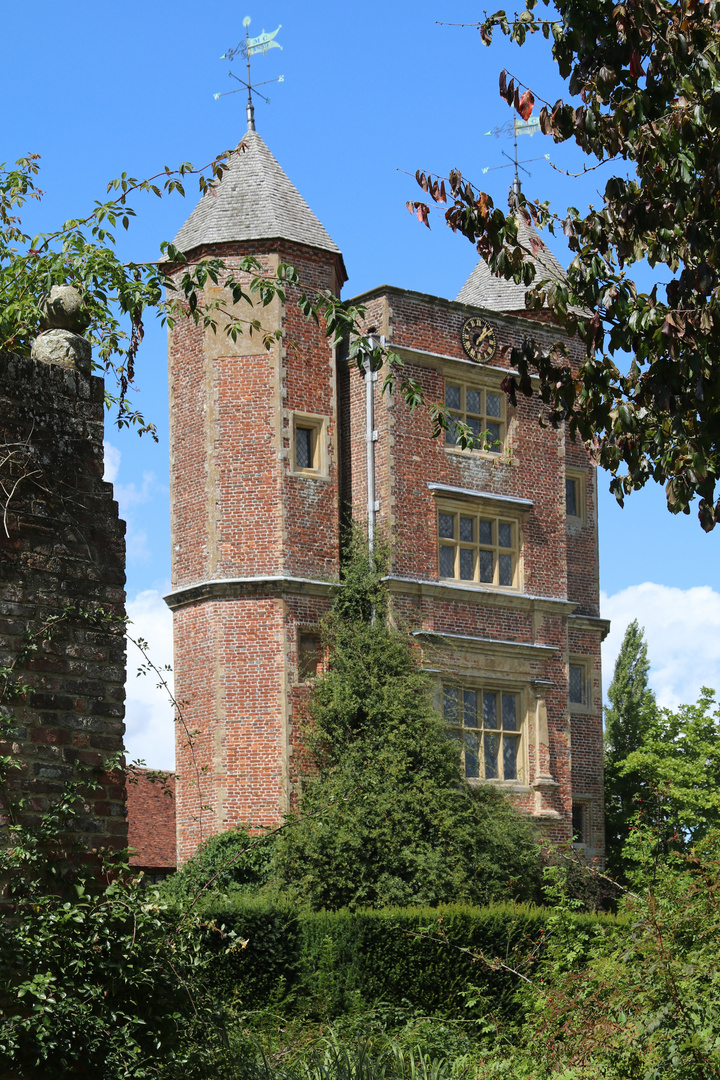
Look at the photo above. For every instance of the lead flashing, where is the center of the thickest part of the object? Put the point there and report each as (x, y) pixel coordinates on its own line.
(491, 644)
(488, 496)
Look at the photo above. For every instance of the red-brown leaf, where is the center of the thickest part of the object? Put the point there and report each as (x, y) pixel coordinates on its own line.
(482, 204)
(635, 66)
(422, 212)
(525, 105)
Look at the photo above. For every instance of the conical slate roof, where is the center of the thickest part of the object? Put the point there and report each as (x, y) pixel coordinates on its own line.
(255, 200)
(483, 289)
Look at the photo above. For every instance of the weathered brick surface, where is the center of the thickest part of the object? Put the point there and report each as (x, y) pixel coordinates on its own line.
(255, 547)
(62, 558)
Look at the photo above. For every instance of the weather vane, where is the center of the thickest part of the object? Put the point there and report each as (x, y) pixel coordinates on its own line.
(247, 48)
(517, 127)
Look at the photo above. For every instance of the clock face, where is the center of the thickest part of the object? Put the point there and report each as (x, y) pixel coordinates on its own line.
(478, 339)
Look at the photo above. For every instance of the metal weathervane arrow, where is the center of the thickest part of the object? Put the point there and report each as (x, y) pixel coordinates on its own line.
(247, 48)
(516, 127)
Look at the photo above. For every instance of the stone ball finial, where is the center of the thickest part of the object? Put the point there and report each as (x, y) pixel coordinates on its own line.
(63, 347)
(62, 308)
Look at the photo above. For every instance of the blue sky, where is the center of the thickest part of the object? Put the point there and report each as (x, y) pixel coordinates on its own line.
(371, 93)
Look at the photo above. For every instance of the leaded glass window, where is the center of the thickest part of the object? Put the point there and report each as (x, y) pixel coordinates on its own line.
(303, 448)
(478, 547)
(482, 410)
(486, 724)
(571, 497)
(577, 689)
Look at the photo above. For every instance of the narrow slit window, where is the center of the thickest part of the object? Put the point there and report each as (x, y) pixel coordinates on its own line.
(571, 497)
(310, 655)
(303, 448)
(579, 823)
(578, 684)
(307, 453)
(575, 496)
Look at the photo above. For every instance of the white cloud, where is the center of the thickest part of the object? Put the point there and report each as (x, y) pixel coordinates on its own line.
(129, 497)
(149, 720)
(682, 630)
(112, 462)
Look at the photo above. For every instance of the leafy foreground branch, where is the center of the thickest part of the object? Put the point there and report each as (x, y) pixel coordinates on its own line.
(647, 76)
(646, 1002)
(117, 296)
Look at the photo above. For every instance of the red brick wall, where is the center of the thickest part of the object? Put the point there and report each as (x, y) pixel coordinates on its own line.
(559, 559)
(243, 513)
(151, 820)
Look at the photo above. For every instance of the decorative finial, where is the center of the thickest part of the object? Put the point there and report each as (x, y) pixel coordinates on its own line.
(247, 48)
(64, 317)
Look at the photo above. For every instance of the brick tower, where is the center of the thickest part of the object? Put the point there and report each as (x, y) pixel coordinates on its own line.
(255, 505)
(494, 550)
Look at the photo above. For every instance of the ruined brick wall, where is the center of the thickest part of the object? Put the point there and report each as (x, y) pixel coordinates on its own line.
(62, 558)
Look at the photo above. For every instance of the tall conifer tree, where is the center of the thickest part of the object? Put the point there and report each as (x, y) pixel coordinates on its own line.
(631, 710)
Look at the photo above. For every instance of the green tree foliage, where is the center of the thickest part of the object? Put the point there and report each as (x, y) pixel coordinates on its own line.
(662, 766)
(391, 822)
(644, 1003)
(631, 711)
(105, 983)
(646, 81)
(117, 295)
(678, 764)
(233, 860)
(99, 976)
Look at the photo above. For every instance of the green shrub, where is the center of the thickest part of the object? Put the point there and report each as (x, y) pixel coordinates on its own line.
(386, 819)
(230, 861)
(328, 963)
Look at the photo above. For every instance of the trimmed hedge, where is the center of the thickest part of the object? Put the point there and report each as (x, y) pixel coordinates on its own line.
(329, 961)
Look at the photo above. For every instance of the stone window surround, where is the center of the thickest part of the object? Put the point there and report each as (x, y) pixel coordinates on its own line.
(318, 426)
(585, 663)
(475, 503)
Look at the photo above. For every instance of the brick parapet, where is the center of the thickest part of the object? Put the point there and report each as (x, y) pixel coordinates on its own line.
(62, 558)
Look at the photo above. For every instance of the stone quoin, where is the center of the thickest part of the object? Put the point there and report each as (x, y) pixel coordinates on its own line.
(494, 554)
